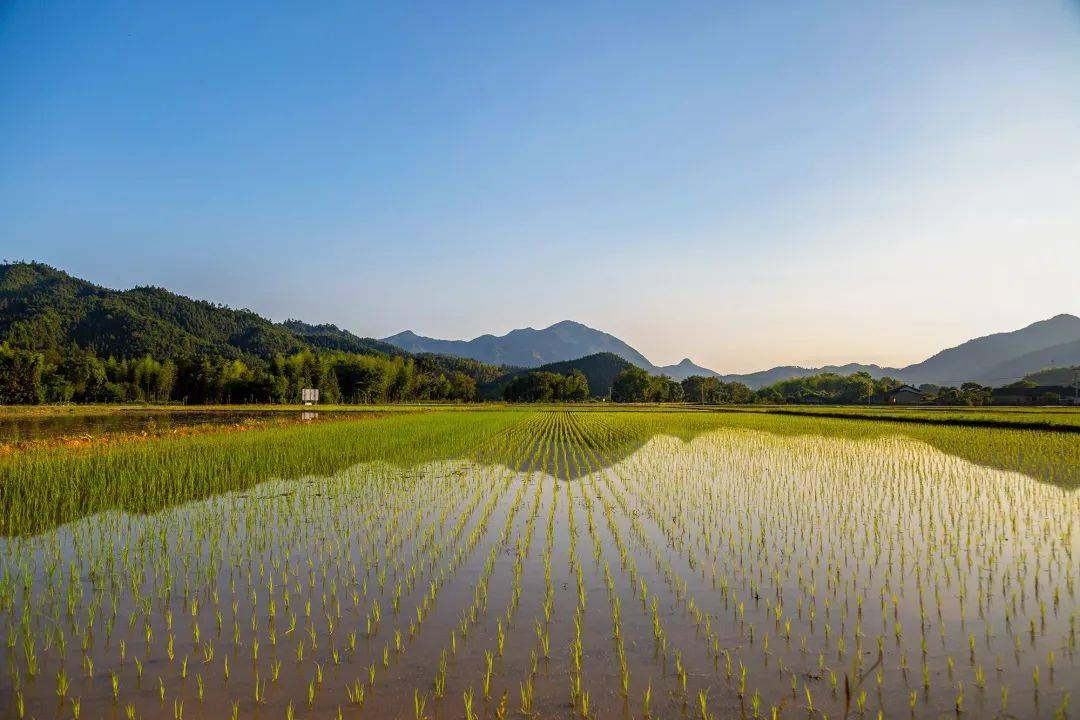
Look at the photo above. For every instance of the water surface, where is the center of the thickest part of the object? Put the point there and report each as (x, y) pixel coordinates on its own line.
(743, 567)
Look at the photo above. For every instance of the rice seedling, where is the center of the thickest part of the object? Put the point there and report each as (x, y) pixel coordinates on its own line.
(766, 566)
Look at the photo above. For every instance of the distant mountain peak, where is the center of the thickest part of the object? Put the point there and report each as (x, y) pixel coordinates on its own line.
(990, 359)
(527, 347)
(150, 320)
(155, 321)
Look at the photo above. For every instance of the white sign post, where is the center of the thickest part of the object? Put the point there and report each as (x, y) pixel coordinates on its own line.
(309, 396)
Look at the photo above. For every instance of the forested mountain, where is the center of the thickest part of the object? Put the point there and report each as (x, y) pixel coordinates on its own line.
(993, 360)
(599, 370)
(682, 370)
(1063, 354)
(41, 308)
(764, 378)
(996, 359)
(526, 347)
(332, 337)
(529, 348)
(62, 338)
(1067, 376)
(1001, 357)
(44, 308)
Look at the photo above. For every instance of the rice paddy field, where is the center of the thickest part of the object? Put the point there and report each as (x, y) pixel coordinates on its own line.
(545, 563)
(1066, 419)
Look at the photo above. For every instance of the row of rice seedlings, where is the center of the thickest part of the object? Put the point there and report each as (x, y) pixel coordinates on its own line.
(423, 609)
(43, 489)
(526, 687)
(586, 456)
(702, 623)
(638, 588)
(838, 576)
(541, 647)
(678, 512)
(164, 590)
(493, 656)
(284, 584)
(505, 619)
(476, 611)
(584, 702)
(579, 699)
(162, 576)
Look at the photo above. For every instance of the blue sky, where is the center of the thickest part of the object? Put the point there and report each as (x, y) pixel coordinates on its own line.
(748, 184)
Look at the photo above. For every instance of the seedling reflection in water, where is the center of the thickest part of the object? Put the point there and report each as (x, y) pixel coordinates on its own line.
(740, 557)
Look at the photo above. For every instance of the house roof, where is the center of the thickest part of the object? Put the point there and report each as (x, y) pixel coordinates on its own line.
(907, 388)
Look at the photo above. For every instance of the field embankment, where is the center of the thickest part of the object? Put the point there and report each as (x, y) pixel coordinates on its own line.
(1040, 418)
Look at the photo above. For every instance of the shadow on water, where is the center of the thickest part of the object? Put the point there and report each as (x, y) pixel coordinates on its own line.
(28, 428)
(1052, 458)
(1049, 457)
(42, 490)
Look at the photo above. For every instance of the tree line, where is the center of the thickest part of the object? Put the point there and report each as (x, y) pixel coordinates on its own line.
(636, 385)
(548, 387)
(78, 375)
(74, 374)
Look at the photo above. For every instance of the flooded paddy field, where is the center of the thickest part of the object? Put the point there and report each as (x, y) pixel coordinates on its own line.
(30, 427)
(516, 563)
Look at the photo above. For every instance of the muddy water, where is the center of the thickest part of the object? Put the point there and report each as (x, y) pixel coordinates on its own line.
(742, 569)
(23, 428)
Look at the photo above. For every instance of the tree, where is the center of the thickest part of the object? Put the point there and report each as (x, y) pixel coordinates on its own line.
(533, 387)
(631, 385)
(402, 378)
(950, 396)
(329, 390)
(20, 376)
(734, 393)
(575, 387)
(661, 388)
(84, 371)
(543, 386)
(976, 394)
(700, 389)
(858, 389)
(462, 387)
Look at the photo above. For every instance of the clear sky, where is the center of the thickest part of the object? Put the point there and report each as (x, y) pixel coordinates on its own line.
(745, 183)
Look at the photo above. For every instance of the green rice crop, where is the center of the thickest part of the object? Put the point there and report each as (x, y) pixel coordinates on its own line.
(1065, 419)
(540, 563)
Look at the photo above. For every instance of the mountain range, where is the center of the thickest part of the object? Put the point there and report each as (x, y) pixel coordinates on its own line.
(599, 370)
(42, 307)
(992, 360)
(531, 348)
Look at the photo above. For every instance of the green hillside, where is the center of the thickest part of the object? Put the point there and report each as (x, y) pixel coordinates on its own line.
(43, 308)
(65, 339)
(1055, 376)
(599, 369)
(331, 337)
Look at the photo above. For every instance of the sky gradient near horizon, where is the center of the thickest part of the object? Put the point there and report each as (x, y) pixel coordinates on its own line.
(747, 184)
